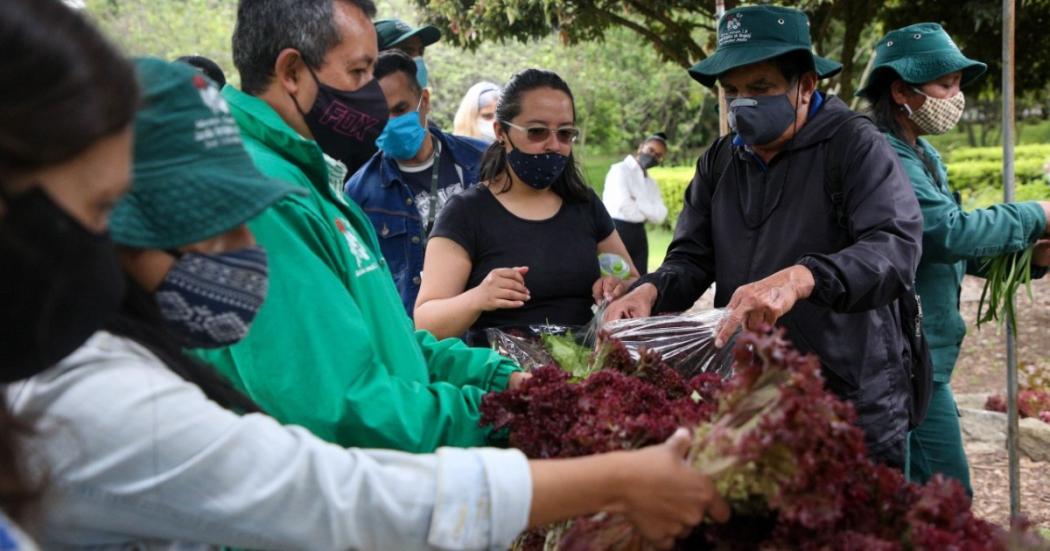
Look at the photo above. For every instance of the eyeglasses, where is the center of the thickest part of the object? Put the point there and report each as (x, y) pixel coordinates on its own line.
(539, 133)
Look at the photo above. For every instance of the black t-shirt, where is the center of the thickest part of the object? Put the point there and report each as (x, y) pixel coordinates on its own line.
(561, 253)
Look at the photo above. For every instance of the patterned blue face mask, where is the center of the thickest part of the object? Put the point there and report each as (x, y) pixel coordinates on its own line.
(211, 300)
(539, 170)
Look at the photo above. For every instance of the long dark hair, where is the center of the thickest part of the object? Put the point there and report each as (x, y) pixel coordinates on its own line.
(882, 108)
(65, 87)
(139, 319)
(570, 186)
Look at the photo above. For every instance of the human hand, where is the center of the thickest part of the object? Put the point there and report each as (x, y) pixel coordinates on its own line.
(502, 288)
(1041, 254)
(608, 288)
(764, 301)
(664, 496)
(517, 378)
(636, 304)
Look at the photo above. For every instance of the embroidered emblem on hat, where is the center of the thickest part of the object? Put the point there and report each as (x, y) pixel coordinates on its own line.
(734, 31)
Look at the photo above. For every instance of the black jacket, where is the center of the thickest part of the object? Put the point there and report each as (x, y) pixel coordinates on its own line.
(758, 220)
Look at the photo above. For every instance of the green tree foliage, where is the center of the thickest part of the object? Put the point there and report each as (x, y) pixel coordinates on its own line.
(623, 90)
(170, 28)
(677, 29)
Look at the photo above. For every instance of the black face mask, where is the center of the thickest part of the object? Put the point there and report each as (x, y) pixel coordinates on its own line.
(647, 161)
(346, 124)
(59, 283)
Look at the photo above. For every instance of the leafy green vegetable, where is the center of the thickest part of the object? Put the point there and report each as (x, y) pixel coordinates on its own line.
(1003, 276)
(570, 356)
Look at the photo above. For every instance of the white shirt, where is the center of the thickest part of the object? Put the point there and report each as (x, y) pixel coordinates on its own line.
(632, 196)
(138, 457)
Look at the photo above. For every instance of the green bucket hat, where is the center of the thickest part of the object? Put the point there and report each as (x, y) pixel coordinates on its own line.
(756, 33)
(192, 178)
(918, 54)
(392, 32)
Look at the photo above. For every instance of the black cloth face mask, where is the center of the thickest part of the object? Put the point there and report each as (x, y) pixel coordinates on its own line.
(647, 161)
(760, 120)
(346, 124)
(59, 283)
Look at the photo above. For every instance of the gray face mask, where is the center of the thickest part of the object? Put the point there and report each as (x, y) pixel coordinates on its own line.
(760, 120)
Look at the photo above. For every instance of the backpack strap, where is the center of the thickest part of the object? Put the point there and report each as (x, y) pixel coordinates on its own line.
(723, 156)
(833, 178)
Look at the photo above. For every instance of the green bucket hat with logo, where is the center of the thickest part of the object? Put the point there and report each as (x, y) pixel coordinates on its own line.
(192, 178)
(918, 54)
(756, 33)
(392, 32)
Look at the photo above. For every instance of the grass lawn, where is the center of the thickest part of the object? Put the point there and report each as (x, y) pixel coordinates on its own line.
(659, 239)
(595, 167)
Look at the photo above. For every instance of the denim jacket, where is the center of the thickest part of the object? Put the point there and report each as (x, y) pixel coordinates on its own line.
(395, 209)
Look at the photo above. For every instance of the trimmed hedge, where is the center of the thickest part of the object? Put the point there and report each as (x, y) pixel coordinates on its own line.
(976, 172)
(972, 170)
(673, 181)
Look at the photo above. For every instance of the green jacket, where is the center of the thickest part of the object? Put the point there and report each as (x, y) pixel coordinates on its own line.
(956, 242)
(332, 348)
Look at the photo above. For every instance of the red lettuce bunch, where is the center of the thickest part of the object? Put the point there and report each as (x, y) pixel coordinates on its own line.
(780, 448)
(1030, 403)
(549, 416)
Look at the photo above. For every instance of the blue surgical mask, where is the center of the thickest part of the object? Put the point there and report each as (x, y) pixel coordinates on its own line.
(210, 300)
(422, 76)
(539, 170)
(760, 120)
(403, 135)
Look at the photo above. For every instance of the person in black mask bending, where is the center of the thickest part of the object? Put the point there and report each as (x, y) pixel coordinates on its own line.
(801, 217)
(633, 197)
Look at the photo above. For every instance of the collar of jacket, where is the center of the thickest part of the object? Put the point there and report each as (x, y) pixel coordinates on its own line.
(451, 148)
(260, 122)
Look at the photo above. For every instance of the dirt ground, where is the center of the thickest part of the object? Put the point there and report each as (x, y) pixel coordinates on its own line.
(982, 368)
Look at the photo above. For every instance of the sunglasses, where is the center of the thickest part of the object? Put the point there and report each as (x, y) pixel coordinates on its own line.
(539, 133)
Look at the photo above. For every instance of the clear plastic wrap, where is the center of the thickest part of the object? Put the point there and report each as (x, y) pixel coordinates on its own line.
(685, 341)
(524, 344)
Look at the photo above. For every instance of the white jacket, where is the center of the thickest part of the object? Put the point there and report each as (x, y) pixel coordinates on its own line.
(632, 196)
(136, 456)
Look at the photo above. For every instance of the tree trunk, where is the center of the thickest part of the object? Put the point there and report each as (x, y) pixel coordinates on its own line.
(855, 15)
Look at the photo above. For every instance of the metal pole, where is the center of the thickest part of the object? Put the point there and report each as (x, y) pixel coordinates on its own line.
(723, 109)
(1008, 196)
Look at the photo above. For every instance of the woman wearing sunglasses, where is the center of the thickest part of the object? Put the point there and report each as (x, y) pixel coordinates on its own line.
(522, 247)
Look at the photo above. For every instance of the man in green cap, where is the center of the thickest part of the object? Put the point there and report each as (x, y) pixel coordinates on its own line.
(396, 34)
(801, 217)
(332, 348)
(915, 89)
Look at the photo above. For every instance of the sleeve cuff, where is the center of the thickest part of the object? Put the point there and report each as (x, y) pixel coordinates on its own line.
(501, 375)
(483, 499)
(821, 279)
(1037, 218)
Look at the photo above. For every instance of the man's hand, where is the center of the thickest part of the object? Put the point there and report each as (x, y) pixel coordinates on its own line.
(1041, 254)
(665, 497)
(765, 301)
(636, 304)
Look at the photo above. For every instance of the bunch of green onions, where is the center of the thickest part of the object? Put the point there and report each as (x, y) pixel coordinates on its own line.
(1004, 275)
